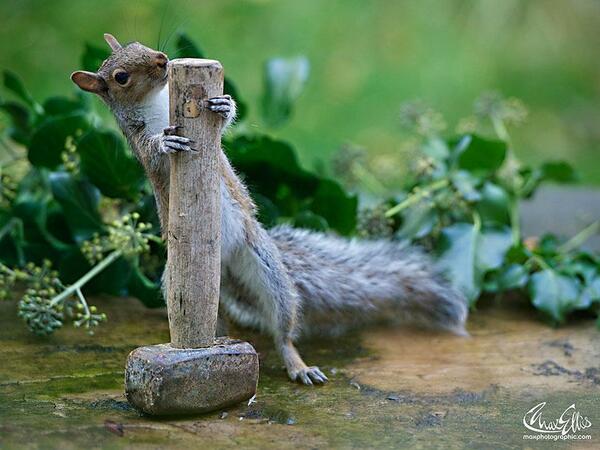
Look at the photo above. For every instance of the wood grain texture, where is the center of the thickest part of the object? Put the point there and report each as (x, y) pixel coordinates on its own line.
(194, 235)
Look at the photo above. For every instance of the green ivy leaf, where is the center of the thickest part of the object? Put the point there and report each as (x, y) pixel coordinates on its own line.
(20, 131)
(418, 221)
(466, 185)
(514, 276)
(284, 80)
(494, 206)
(590, 293)
(518, 254)
(584, 266)
(311, 221)
(12, 239)
(186, 48)
(335, 206)
(458, 245)
(93, 57)
(493, 244)
(467, 253)
(147, 291)
(62, 106)
(548, 245)
(437, 149)
(34, 209)
(113, 280)
(268, 213)
(558, 171)
(41, 218)
(482, 156)
(109, 166)
(14, 84)
(48, 140)
(79, 201)
(554, 294)
(268, 163)
(271, 170)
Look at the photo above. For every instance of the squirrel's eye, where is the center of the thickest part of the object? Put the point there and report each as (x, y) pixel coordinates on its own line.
(121, 77)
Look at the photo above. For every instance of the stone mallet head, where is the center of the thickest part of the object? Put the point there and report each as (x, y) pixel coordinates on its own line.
(195, 373)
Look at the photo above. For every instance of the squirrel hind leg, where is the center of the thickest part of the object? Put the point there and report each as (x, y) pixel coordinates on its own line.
(296, 368)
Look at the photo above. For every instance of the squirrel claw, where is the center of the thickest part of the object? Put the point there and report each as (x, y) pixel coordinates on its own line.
(306, 379)
(220, 100)
(223, 105)
(309, 376)
(171, 143)
(171, 130)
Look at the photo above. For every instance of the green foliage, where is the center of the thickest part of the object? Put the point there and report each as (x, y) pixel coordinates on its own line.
(106, 163)
(480, 156)
(67, 226)
(469, 251)
(463, 204)
(48, 139)
(78, 177)
(292, 194)
(79, 201)
(93, 56)
(14, 84)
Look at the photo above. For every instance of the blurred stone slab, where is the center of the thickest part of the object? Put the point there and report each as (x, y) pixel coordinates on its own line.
(562, 210)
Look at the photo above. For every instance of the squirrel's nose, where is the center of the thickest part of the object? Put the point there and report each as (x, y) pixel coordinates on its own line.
(161, 60)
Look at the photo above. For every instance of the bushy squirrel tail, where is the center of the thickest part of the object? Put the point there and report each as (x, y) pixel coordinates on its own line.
(345, 282)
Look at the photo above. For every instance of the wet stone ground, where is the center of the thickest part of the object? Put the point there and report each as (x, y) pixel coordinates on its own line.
(389, 388)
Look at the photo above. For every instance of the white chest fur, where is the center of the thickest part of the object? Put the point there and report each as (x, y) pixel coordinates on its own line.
(155, 110)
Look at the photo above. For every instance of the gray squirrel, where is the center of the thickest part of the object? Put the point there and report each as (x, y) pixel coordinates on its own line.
(285, 282)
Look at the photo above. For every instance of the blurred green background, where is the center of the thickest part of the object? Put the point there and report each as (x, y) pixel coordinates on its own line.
(367, 57)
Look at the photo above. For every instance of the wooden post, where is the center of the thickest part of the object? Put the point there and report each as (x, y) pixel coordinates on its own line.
(194, 373)
(194, 229)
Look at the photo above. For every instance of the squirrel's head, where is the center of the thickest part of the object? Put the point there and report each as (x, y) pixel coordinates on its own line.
(127, 76)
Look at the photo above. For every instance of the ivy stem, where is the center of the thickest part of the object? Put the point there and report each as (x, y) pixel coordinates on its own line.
(8, 227)
(476, 221)
(154, 238)
(87, 277)
(415, 197)
(540, 262)
(500, 129)
(515, 222)
(368, 179)
(577, 240)
(83, 302)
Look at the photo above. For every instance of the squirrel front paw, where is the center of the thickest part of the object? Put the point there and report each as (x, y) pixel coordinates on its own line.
(172, 143)
(225, 106)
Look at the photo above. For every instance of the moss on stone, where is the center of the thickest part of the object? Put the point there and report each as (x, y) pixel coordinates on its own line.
(66, 391)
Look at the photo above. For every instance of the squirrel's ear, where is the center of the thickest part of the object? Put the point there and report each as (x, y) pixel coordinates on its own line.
(89, 81)
(112, 42)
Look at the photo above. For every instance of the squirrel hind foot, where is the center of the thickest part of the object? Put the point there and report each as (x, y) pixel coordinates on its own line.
(296, 368)
(309, 376)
